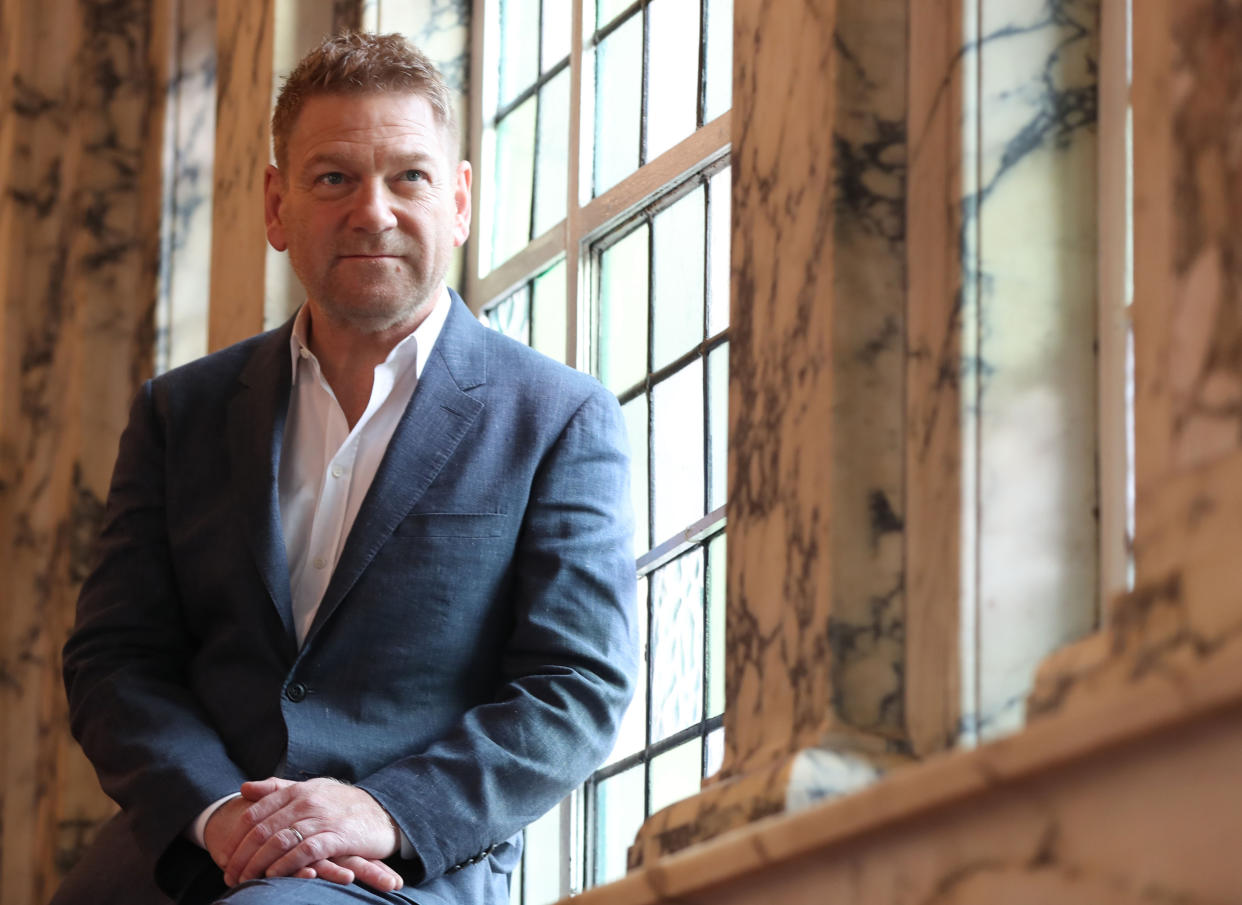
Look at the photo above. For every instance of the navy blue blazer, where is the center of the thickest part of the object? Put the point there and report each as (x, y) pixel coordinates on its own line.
(470, 660)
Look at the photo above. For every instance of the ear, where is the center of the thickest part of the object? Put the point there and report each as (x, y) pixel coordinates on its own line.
(273, 195)
(461, 198)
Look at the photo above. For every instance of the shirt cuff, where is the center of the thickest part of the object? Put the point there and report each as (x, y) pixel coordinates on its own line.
(196, 830)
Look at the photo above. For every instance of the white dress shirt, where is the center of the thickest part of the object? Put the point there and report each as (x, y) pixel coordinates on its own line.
(326, 468)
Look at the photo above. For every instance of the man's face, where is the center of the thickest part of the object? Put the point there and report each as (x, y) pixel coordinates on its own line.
(370, 207)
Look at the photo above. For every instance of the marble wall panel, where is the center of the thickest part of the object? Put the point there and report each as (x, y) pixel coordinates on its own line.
(867, 627)
(1009, 344)
(779, 669)
(1033, 270)
(1205, 329)
(80, 163)
(189, 147)
(244, 42)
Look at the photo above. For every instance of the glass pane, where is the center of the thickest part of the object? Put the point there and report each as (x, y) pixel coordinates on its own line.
(676, 774)
(635, 414)
(609, 9)
(632, 736)
(678, 451)
(677, 645)
(719, 58)
(586, 134)
(553, 157)
(718, 424)
(555, 47)
(543, 859)
(677, 257)
(519, 42)
(511, 182)
(673, 73)
(548, 324)
(716, 626)
(720, 193)
(618, 104)
(511, 316)
(623, 312)
(715, 752)
(618, 815)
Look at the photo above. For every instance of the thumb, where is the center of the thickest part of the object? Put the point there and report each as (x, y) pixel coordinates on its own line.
(256, 789)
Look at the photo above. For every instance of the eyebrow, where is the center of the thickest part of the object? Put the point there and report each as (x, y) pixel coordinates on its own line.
(405, 161)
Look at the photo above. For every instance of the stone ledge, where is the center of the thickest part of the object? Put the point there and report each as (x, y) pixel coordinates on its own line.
(1115, 718)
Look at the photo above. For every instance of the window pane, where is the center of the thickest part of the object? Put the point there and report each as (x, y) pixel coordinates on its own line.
(553, 159)
(512, 316)
(618, 815)
(618, 104)
(543, 859)
(718, 424)
(719, 58)
(623, 312)
(673, 73)
(556, 20)
(678, 284)
(676, 774)
(548, 324)
(511, 182)
(715, 752)
(608, 9)
(677, 645)
(635, 414)
(716, 626)
(519, 41)
(679, 454)
(632, 736)
(720, 194)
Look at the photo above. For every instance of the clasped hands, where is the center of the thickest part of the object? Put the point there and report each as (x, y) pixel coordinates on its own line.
(317, 828)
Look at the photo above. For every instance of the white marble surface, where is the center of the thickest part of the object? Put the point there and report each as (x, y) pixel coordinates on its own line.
(190, 137)
(1028, 362)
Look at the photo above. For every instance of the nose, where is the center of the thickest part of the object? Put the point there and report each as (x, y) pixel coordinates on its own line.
(372, 210)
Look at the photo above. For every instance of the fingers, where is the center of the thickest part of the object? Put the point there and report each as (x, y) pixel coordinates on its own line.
(331, 871)
(373, 873)
(260, 788)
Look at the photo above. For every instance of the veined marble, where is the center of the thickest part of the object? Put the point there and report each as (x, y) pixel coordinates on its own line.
(1027, 351)
(1205, 346)
(84, 101)
(189, 147)
(867, 626)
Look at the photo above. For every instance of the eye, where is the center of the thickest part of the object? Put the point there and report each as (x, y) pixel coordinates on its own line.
(331, 179)
(414, 176)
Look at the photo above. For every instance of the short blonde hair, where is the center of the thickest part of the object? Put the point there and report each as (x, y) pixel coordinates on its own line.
(355, 63)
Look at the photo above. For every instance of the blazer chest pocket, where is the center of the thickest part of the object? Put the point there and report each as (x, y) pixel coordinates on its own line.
(452, 524)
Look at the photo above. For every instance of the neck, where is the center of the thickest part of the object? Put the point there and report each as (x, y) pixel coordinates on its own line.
(348, 355)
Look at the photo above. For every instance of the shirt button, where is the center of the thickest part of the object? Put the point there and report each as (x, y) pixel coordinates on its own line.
(296, 692)
(319, 562)
(337, 471)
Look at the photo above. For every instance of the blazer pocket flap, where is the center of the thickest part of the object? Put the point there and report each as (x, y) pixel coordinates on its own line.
(451, 524)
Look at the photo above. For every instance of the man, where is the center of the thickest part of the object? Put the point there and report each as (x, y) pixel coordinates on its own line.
(364, 604)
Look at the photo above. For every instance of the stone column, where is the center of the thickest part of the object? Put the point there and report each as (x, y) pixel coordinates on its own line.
(912, 408)
(82, 99)
(1184, 615)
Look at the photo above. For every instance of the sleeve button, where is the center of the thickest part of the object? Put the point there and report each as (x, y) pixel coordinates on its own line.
(296, 692)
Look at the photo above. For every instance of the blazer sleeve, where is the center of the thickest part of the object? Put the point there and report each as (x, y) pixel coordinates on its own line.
(130, 707)
(568, 669)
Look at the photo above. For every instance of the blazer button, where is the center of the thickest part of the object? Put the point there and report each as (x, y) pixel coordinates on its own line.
(296, 692)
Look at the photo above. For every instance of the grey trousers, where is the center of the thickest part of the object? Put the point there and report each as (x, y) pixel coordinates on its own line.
(112, 872)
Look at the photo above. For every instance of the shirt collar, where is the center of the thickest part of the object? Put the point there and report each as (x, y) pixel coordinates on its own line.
(402, 355)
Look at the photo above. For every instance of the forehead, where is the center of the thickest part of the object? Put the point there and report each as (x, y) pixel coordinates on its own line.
(366, 123)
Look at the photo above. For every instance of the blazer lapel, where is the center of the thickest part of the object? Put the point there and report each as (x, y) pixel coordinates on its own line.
(256, 424)
(433, 424)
